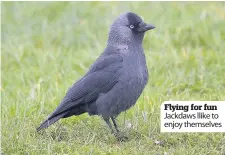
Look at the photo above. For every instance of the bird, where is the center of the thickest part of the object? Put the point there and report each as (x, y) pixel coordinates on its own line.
(115, 81)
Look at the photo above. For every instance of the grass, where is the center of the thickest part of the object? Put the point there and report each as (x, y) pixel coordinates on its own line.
(46, 46)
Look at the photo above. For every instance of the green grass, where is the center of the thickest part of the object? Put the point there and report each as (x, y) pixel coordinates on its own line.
(46, 46)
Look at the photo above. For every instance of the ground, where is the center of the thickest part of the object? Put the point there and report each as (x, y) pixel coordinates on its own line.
(47, 46)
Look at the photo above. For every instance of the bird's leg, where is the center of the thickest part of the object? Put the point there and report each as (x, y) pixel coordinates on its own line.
(109, 124)
(119, 136)
(115, 125)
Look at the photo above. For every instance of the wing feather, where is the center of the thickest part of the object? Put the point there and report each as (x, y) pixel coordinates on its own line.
(101, 77)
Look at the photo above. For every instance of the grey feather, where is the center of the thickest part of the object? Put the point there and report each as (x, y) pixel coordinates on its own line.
(116, 79)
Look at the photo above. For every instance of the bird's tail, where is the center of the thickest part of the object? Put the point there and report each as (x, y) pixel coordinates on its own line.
(50, 121)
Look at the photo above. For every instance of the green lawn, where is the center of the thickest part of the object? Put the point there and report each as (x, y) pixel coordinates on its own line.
(47, 46)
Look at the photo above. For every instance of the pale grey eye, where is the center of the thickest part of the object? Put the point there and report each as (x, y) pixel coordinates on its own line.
(131, 26)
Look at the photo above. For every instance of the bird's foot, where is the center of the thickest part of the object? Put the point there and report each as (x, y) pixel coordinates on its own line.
(121, 137)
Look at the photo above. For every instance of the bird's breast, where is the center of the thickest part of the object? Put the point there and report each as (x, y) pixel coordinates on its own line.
(135, 76)
(136, 68)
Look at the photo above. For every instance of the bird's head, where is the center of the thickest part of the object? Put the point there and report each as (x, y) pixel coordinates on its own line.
(128, 28)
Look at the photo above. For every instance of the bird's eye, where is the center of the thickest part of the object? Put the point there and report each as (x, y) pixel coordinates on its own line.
(131, 26)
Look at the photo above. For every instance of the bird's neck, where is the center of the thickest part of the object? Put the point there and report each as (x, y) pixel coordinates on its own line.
(124, 42)
(117, 39)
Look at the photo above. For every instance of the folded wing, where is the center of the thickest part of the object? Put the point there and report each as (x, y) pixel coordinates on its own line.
(101, 77)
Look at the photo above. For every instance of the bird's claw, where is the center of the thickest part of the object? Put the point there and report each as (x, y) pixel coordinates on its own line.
(120, 137)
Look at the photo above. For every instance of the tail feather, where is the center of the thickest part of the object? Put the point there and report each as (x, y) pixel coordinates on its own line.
(50, 121)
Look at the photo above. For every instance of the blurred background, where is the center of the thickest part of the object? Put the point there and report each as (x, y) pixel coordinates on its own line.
(47, 46)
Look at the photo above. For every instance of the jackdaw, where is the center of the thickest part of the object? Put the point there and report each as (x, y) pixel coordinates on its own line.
(116, 79)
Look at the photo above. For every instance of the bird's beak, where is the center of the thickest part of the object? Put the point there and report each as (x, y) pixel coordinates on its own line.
(149, 27)
(145, 27)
